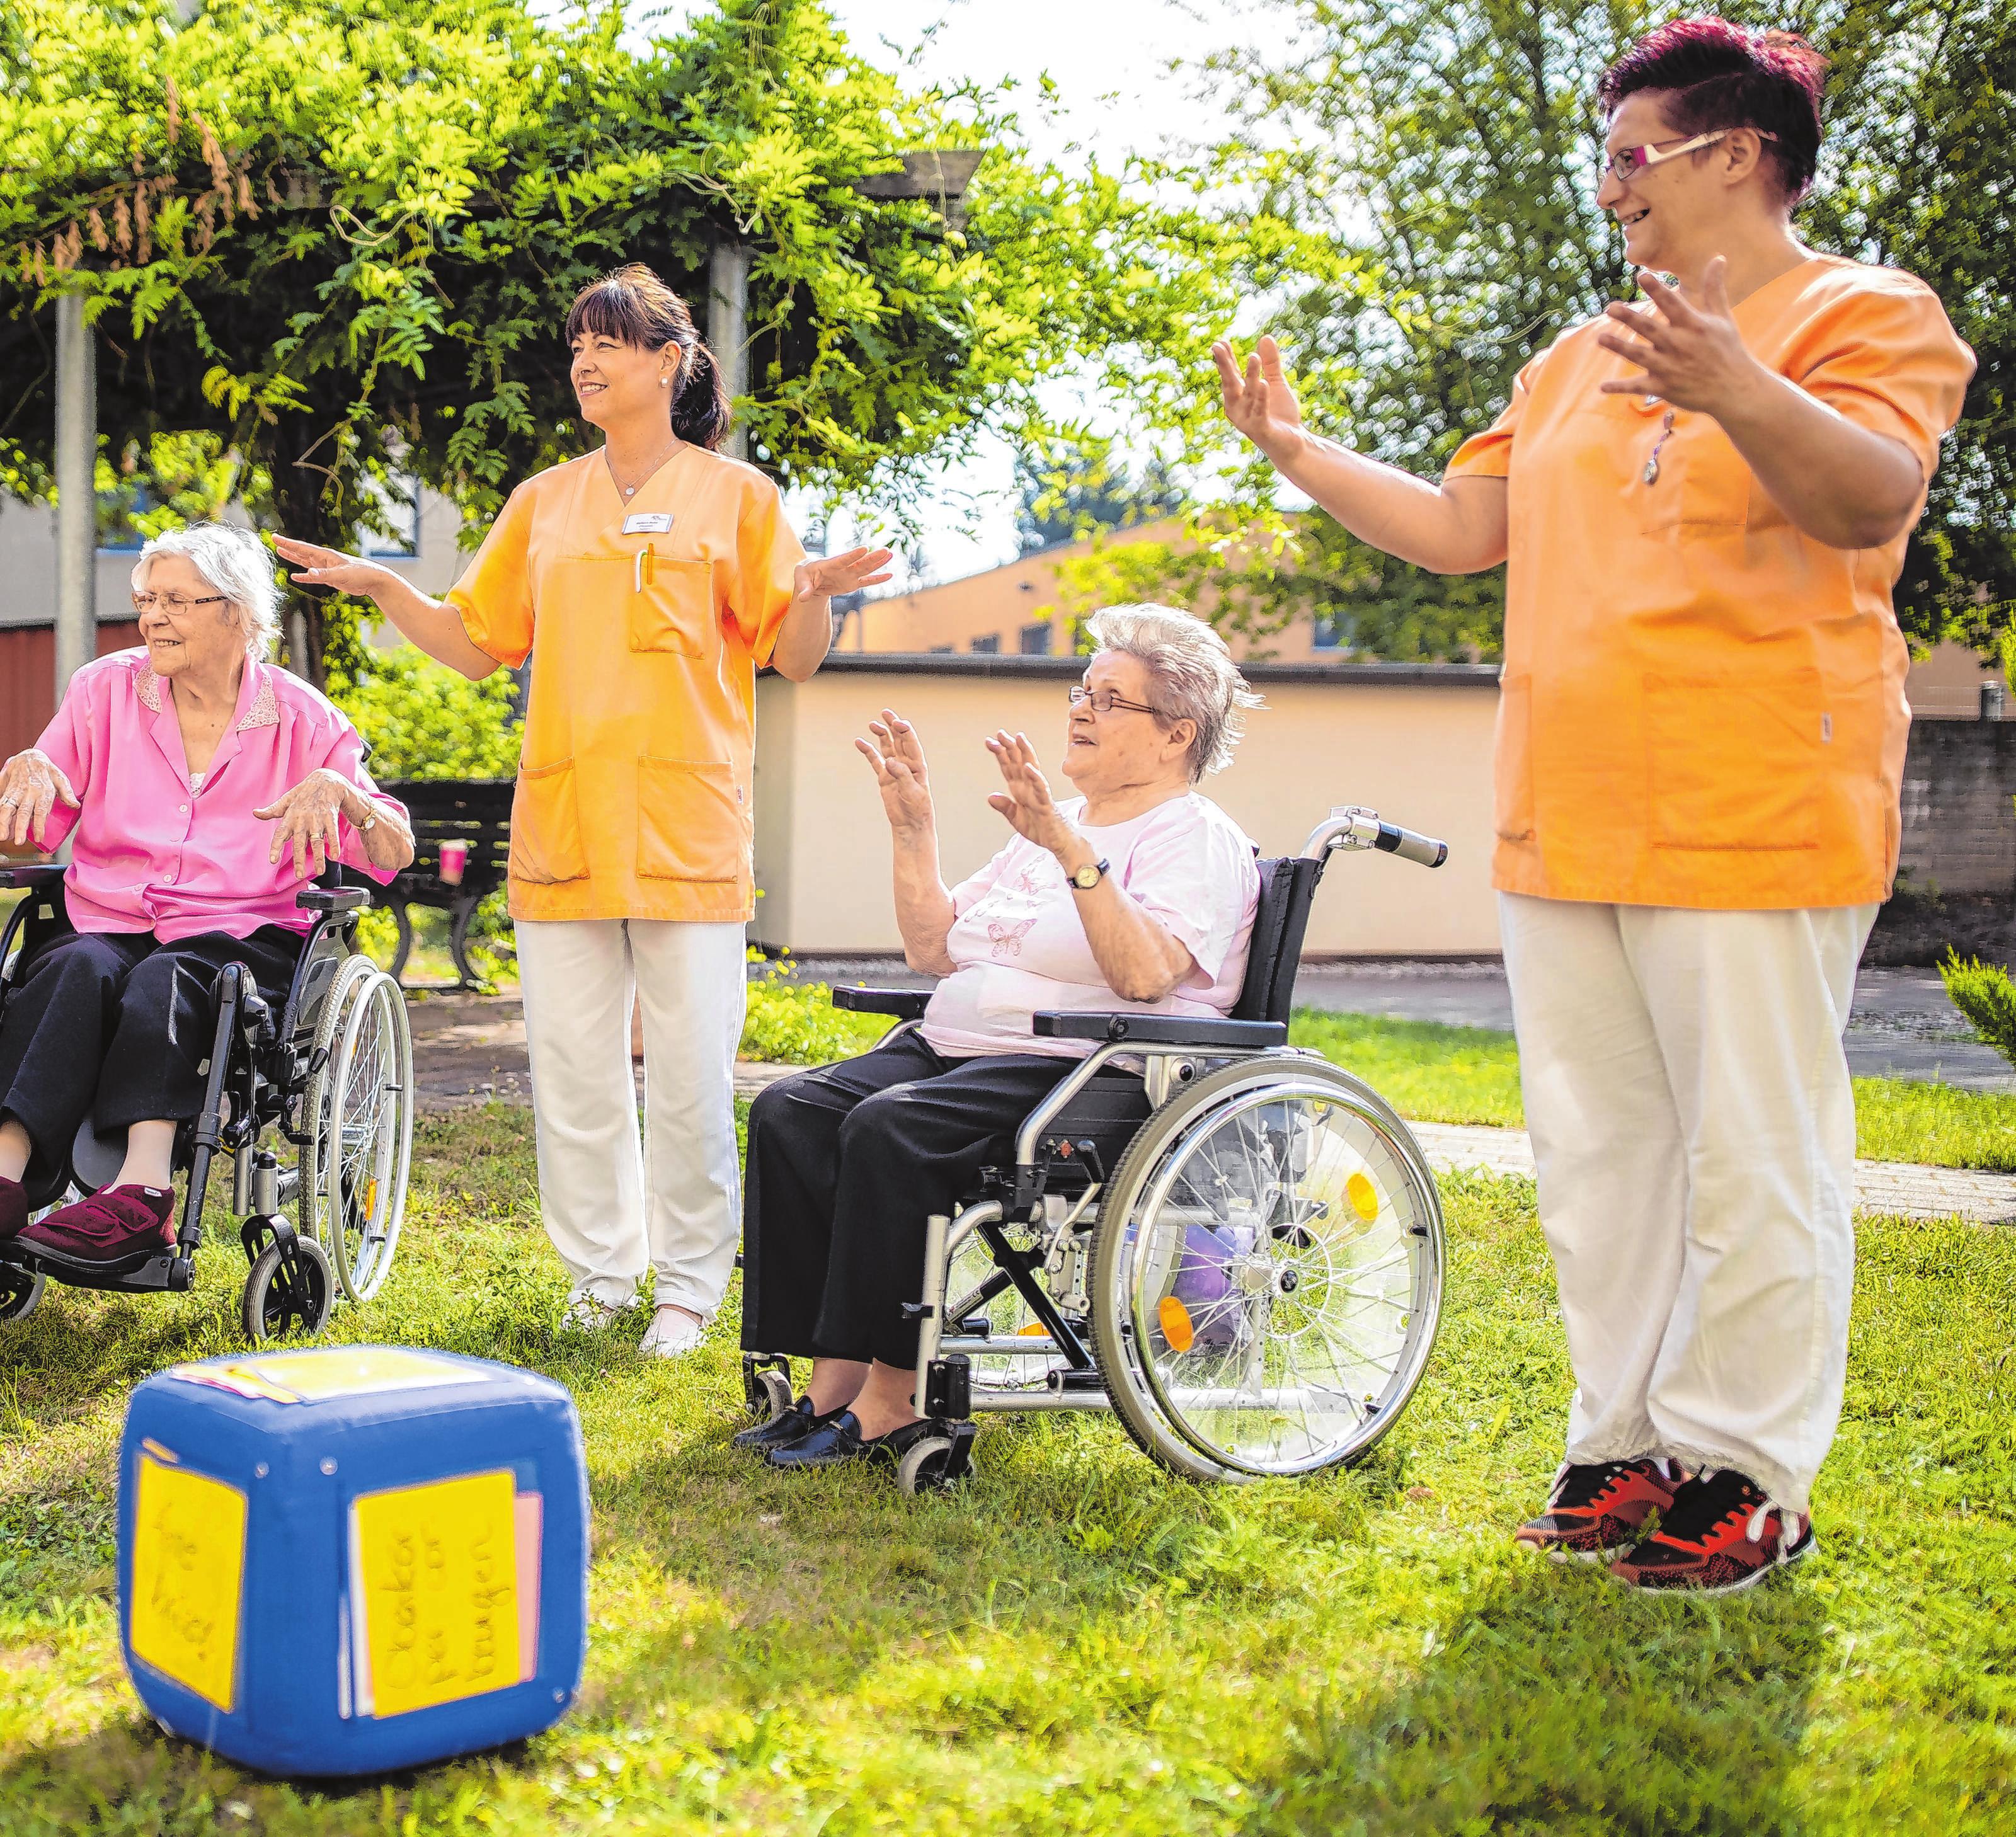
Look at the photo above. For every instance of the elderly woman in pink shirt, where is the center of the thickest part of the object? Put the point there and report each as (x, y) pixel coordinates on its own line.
(202, 788)
(1138, 893)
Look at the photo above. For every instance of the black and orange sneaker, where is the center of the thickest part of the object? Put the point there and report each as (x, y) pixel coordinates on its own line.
(1595, 1511)
(1721, 1533)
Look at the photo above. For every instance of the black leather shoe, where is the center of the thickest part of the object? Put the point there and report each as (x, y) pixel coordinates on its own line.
(840, 1440)
(780, 1432)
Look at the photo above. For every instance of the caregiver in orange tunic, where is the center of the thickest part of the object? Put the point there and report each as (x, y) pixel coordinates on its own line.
(1704, 502)
(647, 581)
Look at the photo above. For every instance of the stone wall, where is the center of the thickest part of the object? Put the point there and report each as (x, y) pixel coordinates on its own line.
(1959, 820)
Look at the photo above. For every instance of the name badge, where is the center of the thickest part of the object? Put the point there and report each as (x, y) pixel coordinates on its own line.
(648, 523)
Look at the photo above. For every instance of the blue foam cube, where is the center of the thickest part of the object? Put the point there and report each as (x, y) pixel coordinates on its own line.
(347, 1560)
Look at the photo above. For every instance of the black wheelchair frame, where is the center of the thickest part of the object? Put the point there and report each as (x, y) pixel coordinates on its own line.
(260, 1066)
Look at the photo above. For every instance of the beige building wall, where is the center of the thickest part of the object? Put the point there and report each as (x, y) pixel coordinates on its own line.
(992, 610)
(1414, 744)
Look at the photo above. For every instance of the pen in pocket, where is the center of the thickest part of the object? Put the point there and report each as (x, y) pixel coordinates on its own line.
(647, 561)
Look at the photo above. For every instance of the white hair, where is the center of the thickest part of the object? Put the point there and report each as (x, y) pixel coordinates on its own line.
(235, 563)
(1194, 677)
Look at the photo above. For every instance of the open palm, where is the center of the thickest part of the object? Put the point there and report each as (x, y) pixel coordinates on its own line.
(1258, 400)
(822, 576)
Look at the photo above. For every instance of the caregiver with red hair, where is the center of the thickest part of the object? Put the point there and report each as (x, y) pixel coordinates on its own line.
(1704, 500)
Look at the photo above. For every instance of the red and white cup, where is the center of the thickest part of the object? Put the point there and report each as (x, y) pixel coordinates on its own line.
(454, 861)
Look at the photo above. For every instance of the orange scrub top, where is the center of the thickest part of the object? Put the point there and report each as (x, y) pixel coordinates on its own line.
(645, 622)
(1702, 706)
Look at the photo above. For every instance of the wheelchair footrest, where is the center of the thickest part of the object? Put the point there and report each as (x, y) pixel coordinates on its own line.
(141, 1272)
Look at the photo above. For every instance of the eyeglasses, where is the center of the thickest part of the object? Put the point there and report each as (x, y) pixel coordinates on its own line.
(174, 605)
(1627, 162)
(1104, 701)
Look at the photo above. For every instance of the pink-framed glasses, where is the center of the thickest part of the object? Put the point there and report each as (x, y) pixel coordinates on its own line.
(1627, 162)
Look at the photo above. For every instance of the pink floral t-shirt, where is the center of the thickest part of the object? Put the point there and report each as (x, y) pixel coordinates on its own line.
(1018, 948)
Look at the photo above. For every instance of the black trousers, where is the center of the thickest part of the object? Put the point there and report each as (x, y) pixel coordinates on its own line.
(113, 1025)
(845, 1165)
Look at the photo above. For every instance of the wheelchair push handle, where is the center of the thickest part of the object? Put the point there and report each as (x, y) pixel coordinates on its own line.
(1351, 826)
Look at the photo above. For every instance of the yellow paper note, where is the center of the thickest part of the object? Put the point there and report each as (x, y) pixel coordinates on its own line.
(437, 1571)
(188, 1566)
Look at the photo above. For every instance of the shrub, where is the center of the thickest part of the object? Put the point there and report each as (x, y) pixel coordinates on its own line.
(796, 1023)
(423, 720)
(1985, 995)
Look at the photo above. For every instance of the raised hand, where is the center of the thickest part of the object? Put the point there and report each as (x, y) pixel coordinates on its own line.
(1691, 350)
(307, 816)
(318, 566)
(31, 785)
(1258, 400)
(1027, 802)
(824, 576)
(898, 757)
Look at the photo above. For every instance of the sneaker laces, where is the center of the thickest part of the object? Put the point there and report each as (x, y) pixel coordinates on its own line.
(1582, 1483)
(1724, 1493)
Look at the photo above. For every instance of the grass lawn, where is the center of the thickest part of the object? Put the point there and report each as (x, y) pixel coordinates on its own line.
(1074, 1642)
(1438, 1074)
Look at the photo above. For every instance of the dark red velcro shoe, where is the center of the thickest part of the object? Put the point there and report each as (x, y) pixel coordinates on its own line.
(110, 1226)
(13, 1209)
(1598, 1510)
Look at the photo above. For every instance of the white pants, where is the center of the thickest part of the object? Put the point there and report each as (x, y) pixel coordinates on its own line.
(1693, 1128)
(612, 1204)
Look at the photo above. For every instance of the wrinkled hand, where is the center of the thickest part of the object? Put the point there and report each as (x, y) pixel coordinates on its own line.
(898, 757)
(1257, 401)
(1027, 803)
(318, 566)
(1690, 350)
(821, 576)
(31, 785)
(307, 818)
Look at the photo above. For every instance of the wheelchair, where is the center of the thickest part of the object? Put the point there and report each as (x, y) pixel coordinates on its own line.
(333, 1070)
(1232, 1244)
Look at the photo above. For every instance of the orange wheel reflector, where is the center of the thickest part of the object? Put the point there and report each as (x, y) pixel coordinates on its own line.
(1035, 1329)
(1364, 1197)
(1177, 1328)
(371, 1201)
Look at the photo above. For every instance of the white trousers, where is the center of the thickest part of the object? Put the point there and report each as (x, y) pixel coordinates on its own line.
(1693, 1128)
(613, 1204)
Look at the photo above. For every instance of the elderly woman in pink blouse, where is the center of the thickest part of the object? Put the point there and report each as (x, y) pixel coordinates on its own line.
(202, 788)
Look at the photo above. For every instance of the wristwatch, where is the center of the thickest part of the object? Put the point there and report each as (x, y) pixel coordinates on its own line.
(1088, 877)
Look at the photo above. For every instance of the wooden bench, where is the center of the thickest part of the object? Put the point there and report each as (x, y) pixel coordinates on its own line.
(477, 811)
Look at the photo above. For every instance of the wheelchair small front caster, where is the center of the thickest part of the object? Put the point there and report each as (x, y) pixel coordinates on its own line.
(925, 1466)
(20, 1292)
(766, 1383)
(290, 1290)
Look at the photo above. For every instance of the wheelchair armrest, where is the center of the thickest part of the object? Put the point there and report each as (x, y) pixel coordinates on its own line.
(40, 874)
(1177, 1030)
(333, 899)
(905, 1004)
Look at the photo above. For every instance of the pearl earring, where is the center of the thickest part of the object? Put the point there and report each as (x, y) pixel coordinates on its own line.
(664, 382)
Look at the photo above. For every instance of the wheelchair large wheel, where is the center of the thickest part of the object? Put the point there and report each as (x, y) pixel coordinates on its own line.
(1267, 1272)
(357, 1115)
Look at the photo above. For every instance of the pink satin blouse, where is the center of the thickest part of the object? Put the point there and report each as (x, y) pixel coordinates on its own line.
(152, 854)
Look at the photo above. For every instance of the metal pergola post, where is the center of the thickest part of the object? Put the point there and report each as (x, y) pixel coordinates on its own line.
(77, 497)
(728, 327)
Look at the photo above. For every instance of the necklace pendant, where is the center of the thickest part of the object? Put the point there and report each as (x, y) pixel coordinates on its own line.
(1652, 472)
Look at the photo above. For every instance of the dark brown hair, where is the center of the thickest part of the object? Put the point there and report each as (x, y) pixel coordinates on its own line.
(632, 304)
(1712, 74)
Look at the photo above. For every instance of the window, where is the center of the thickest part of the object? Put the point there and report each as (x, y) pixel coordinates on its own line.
(1035, 640)
(400, 500)
(1332, 630)
(986, 646)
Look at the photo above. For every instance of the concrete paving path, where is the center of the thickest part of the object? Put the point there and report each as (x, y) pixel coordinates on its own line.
(470, 1049)
(1892, 1189)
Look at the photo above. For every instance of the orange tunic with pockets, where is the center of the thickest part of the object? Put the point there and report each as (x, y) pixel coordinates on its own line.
(1702, 706)
(645, 622)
